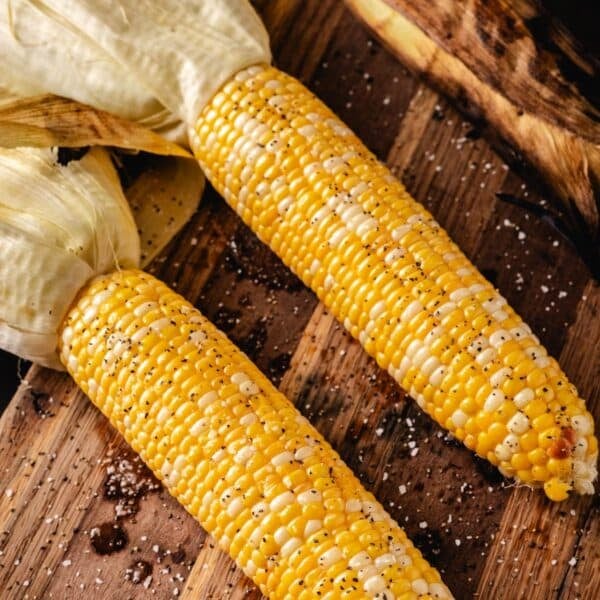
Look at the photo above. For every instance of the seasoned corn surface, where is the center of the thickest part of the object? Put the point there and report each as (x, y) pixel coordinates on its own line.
(233, 450)
(379, 261)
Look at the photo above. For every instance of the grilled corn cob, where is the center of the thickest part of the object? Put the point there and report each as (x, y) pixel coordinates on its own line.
(233, 450)
(378, 260)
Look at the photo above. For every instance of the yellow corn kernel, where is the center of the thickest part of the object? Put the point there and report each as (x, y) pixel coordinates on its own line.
(230, 447)
(556, 490)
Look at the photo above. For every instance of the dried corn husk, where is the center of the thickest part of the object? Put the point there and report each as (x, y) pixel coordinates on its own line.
(59, 227)
(44, 121)
(156, 63)
(163, 199)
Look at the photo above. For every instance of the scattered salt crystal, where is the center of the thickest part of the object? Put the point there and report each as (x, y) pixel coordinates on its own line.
(414, 452)
(194, 241)
(402, 489)
(9, 493)
(572, 561)
(386, 476)
(457, 542)
(553, 562)
(521, 235)
(66, 563)
(423, 524)
(545, 289)
(562, 294)
(379, 431)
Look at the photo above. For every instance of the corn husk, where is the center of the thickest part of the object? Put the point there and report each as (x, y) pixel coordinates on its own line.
(45, 121)
(156, 63)
(163, 199)
(59, 227)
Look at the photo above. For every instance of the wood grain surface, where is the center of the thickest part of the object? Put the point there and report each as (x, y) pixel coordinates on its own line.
(80, 518)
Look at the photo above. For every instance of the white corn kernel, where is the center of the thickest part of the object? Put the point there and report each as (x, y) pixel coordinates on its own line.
(494, 401)
(499, 337)
(244, 454)
(280, 502)
(412, 310)
(487, 356)
(248, 419)
(518, 424)
(459, 294)
(312, 526)
(281, 536)
(400, 232)
(207, 399)
(145, 307)
(374, 584)
(330, 557)
(303, 453)
(235, 507)
(524, 397)
(309, 496)
(360, 560)
(582, 424)
(438, 375)
(163, 415)
(420, 586)
(393, 255)
(249, 388)
(500, 376)
(282, 458)
(430, 365)
(377, 309)
(459, 418)
(289, 547)
(385, 560)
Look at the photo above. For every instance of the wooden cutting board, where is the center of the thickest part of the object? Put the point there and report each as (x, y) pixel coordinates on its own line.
(80, 518)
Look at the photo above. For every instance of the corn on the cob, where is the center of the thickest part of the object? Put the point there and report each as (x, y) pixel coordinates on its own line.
(233, 450)
(379, 261)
